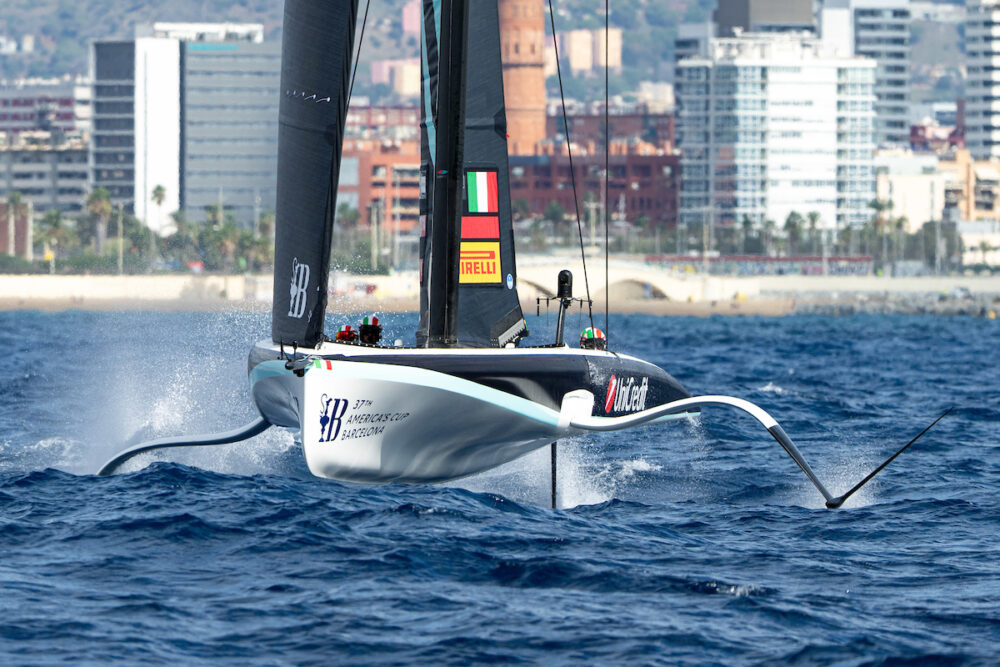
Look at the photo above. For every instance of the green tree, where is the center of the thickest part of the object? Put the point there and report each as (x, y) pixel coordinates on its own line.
(984, 248)
(522, 209)
(769, 227)
(54, 231)
(813, 218)
(181, 247)
(159, 195)
(793, 230)
(554, 213)
(348, 216)
(879, 222)
(746, 226)
(99, 207)
(266, 227)
(214, 215)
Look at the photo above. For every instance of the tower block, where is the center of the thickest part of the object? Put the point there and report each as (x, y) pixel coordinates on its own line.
(522, 47)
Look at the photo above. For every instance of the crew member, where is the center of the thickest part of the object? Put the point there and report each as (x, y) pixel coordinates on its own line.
(346, 334)
(370, 331)
(593, 338)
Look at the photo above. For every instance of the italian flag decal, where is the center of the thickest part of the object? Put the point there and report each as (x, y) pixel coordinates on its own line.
(479, 254)
(482, 189)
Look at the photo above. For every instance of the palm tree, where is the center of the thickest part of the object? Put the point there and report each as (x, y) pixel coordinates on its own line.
(214, 215)
(159, 195)
(813, 217)
(984, 247)
(793, 228)
(266, 226)
(99, 206)
(769, 237)
(880, 206)
(54, 232)
(182, 245)
(745, 226)
(899, 224)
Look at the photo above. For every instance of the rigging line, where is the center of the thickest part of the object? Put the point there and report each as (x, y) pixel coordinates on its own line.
(607, 165)
(572, 171)
(361, 41)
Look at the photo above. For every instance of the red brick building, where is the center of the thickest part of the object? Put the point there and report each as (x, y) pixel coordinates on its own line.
(654, 128)
(645, 178)
(385, 172)
(522, 50)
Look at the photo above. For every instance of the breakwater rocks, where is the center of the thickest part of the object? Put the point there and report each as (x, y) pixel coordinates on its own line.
(956, 302)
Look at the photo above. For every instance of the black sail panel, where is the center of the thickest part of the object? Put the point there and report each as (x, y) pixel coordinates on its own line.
(430, 28)
(489, 312)
(316, 54)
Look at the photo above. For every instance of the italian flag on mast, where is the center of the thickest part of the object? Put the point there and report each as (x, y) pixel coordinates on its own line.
(482, 188)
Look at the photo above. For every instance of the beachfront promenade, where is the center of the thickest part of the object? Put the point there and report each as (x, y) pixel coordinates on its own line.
(634, 287)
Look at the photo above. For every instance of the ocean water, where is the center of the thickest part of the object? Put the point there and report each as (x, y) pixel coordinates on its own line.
(691, 542)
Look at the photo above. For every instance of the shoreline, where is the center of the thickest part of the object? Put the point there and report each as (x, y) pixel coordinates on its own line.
(692, 295)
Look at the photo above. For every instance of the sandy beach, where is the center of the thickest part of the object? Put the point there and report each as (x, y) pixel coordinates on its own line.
(673, 295)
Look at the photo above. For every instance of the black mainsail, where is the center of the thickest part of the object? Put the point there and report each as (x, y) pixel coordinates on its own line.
(468, 272)
(316, 54)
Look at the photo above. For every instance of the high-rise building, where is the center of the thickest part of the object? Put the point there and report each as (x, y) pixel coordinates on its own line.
(522, 48)
(736, 16)
(982, 81)
(191, 108)
(877, 29)
(769, 124)
(882, 32)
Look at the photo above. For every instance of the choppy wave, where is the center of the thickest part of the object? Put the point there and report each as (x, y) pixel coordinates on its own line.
(696, 541)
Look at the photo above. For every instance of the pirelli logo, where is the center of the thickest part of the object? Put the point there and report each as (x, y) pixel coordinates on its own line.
(479, 263)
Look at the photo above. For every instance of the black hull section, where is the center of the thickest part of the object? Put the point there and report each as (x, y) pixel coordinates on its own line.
(620, 384)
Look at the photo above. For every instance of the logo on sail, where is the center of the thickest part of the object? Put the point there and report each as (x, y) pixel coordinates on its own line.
(331, 417)
(300, 280)
(479, 263)
(627, 395)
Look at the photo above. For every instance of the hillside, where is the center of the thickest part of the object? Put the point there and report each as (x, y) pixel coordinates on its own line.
(63, 28)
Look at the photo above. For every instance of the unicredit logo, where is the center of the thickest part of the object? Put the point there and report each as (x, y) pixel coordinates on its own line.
(628, 395)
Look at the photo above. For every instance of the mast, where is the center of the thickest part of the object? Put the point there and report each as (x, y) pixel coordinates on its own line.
(447, 189)
(468, 272)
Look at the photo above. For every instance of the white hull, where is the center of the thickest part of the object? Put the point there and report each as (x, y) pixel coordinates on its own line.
(373, 423)
(377, 423)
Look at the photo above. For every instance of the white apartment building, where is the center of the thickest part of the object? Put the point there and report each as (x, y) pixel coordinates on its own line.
(880, 30)
(774, 123)
(191, 108)
(982, 81)
(877, 29)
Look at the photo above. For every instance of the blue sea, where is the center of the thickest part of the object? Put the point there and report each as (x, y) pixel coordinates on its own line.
(697, 541)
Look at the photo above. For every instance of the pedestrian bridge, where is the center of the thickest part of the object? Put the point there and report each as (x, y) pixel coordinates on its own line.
(628, 280)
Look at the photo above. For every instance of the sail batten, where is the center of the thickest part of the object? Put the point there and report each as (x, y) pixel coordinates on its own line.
(316, 55)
